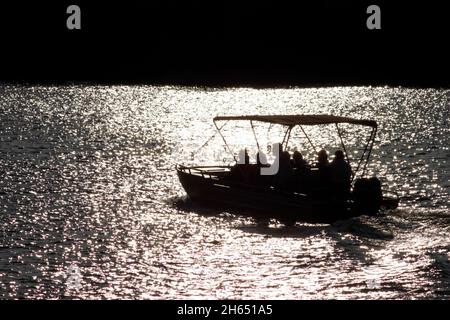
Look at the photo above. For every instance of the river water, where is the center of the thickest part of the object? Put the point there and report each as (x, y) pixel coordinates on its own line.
(91, 207)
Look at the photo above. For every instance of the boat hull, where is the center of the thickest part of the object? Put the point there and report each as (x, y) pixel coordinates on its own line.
(263, 202)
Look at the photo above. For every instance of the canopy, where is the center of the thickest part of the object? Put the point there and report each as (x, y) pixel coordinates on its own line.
(300, 119)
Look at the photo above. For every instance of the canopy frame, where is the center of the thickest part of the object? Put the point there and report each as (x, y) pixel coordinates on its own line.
(300, 120)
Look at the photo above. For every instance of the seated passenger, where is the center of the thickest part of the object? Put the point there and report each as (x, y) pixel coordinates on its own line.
(322, 159)
(297, 160)
(284, 175)
(341, 174)
(323, 182)
(301, 173)
(285, 159)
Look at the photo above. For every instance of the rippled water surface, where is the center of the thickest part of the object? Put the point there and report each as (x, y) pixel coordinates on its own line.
(91, 207)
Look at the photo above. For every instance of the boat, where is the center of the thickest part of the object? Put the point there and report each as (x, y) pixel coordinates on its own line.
(218, 185)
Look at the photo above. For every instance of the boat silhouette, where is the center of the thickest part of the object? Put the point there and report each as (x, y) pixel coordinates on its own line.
(233, 186)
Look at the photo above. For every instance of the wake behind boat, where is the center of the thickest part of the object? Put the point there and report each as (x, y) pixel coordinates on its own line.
(290, 189)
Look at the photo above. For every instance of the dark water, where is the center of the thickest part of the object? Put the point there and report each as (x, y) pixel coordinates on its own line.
(90, 206)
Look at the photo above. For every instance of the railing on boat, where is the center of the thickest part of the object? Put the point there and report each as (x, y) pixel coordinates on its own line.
(214, 175)
(200, 170)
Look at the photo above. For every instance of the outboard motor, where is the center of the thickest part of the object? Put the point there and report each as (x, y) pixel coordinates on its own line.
(367, 195)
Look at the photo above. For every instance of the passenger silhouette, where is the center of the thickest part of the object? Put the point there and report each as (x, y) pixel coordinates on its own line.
(324, 176)
(301, 172)
(341, 173)
(322, 159)
(297, 160)
(284, 174)
(286, 159)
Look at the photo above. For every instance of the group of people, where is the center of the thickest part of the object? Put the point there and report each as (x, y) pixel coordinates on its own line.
(323, 178)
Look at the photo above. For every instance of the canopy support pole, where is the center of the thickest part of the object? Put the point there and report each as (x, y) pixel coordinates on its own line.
(374, 131)
(212, 137)
(286, 138)
(285, 135)
(343, 145)
(254, 134)
(369, 142)
(309, 140)
(225, 141)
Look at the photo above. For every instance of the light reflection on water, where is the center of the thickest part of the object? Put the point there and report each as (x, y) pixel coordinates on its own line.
(87, 180)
